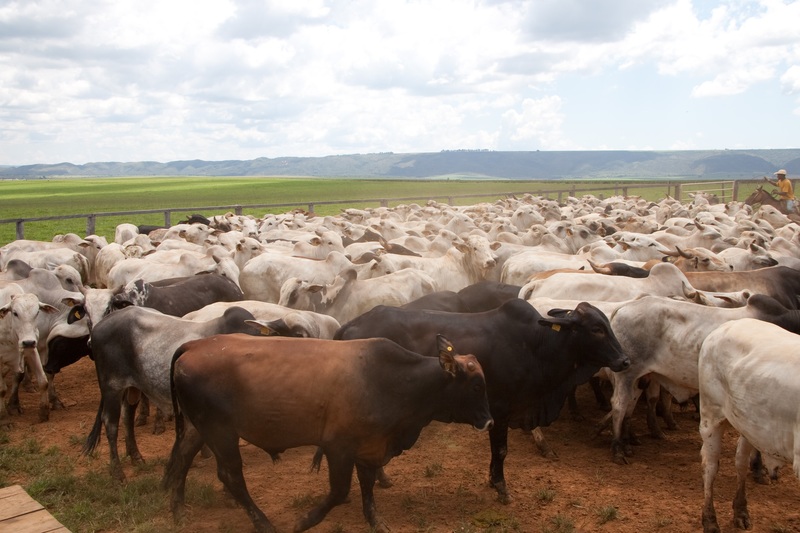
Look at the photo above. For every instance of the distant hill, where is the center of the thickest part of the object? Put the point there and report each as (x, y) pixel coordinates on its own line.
(456, 164)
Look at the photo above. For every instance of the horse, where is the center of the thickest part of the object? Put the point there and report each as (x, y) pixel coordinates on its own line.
(762, 197)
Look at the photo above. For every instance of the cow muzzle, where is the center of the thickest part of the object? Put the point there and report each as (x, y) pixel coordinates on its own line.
(623, 363)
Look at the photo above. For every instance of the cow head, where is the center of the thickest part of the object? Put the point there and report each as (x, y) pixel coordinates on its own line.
(591, 333)
(470, 404)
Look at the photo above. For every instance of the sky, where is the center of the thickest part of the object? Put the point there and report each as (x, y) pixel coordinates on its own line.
(140, 80)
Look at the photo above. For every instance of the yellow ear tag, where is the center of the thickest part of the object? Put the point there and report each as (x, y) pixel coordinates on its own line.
(77, 315)
(556, 327)
(449, 348)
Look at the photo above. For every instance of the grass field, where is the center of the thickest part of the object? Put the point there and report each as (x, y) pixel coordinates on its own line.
(22, 199)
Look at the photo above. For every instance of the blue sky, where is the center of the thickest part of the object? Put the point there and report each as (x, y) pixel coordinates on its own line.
(131, 80)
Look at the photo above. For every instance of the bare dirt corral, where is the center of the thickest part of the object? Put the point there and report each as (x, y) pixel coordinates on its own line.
(441, 483)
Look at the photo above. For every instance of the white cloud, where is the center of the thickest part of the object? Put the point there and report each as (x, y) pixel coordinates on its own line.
(146, 79)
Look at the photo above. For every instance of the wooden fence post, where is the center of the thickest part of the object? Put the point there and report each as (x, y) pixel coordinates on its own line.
(678, 192)
(20, 229)
(735, 194)
(90, 225)
(167, 218)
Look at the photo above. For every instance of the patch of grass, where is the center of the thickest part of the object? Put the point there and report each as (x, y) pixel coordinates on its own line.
(494, 521)
(433, 470)
(92, 501)
(606, 514)
(304, 501)
(546, 495)
(559, 524)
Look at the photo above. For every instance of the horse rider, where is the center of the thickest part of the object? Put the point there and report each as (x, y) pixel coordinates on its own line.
(785, 190)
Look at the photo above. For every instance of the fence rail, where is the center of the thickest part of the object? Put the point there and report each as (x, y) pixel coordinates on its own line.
(725, 190)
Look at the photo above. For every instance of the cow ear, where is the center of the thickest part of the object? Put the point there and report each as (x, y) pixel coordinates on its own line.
(4, 310)
(76, 313)
(447, 355)
(120, 303)
(47, 308)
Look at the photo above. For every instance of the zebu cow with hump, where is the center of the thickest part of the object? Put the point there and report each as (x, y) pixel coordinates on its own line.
(748, 377)
(370, 401)
(532, 363)
(132, 349)
(663, 338)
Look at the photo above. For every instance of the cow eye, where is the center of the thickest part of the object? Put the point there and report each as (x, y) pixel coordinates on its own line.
(597, 330)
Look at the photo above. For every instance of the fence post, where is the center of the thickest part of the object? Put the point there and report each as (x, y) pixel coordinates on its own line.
(167, 218)
(678, 192)
(237, 209)
(735, 194)
(20, 229)
(625, 192)
(90, 225)
(310, 209)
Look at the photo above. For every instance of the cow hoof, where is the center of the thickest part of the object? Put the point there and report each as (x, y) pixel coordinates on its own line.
(44, 413)
(742, 521)
(57, 405)
(385, 481)
(620, 459)
(658, 435)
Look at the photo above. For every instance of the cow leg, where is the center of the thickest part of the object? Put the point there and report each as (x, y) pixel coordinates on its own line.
(498, 440)
(653, 395)
(711, 433)
(55, 402)
(143, 412)
(366, 479)
(132, 396)
(35, 365)
(541, 444)
(340, 475)
(13, 399)
(4, 416)
(384, 480)
(187, 443)
(159, 424)
(741, 517)
(110, 416)
(623, 401)
(599, 396)
(572, 403)
(225, 446)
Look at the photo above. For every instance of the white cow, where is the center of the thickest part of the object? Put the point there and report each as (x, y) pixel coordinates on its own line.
(278, 319)
(262, 277)
(465, 263)
(663, 337)
(19, 341)
(348, 297)
(748, 377)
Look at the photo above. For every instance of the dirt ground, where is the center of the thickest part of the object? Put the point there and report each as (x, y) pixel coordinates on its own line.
(441, 483)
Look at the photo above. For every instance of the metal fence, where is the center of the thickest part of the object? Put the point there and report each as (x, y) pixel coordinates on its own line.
(725, 191)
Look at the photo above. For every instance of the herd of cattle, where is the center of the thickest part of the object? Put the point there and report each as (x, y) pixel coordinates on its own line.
(494, 314)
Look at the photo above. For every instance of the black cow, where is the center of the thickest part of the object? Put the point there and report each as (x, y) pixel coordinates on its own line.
(531, 362)
(475, 298)
(369, 402)
(132, 349)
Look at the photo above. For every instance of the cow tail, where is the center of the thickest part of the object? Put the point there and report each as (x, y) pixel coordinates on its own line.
(94, 435)
(180, 426)
(317, 461)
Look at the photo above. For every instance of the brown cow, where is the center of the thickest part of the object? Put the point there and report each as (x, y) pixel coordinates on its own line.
(369, 401)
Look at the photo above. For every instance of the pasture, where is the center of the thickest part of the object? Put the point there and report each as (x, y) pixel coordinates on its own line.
(57, 197)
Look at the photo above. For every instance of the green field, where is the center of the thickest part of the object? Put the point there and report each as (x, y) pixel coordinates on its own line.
(82, 196)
